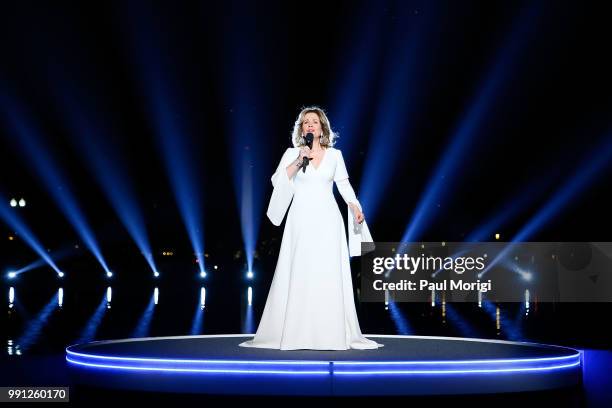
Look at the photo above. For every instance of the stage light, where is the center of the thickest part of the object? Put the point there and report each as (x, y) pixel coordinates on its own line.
(215, 267)
(12, 275)
(202, 274)
(109, 296)
(156, 274)
(60, 297)
(30, 138)
(60, 274)
(202, 297)
(13, 202)
(524, 274)
(250, 295)
(11, 295)
(249, 275)
(16, 224)
(156, 296)
(497, 236)
(109, 274)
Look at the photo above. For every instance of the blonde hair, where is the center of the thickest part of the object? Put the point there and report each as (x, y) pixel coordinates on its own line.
(328, 136)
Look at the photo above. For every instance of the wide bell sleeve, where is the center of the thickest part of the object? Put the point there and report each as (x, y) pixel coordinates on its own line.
(283, 189)
(357, 233)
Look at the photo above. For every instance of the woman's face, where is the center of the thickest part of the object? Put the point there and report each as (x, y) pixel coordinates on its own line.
(312, 124)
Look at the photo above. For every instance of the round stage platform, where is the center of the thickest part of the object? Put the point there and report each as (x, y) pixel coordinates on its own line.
(406, 365)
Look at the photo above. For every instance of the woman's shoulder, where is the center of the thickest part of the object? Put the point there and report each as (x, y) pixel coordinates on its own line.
(335, 151)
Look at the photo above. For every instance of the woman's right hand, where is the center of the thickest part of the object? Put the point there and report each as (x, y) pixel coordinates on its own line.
(305, 152)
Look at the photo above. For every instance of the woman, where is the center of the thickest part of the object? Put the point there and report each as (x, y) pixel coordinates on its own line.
(310, 304)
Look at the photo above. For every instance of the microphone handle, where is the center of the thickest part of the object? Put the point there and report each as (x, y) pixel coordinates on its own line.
(305, 162)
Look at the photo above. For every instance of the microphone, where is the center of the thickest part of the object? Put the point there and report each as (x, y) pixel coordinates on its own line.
(309, 138)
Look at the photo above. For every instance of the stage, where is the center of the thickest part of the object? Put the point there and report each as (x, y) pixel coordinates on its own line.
(406, 365)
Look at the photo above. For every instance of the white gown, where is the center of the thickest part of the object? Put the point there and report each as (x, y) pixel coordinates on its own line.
(310, 304)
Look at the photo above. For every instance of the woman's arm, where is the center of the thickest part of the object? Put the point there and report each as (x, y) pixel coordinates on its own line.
(346, 190)
(295, 165)
(348, 194)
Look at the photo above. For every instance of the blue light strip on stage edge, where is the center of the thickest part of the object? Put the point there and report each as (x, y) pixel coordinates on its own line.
(327, 372)
(475, 366)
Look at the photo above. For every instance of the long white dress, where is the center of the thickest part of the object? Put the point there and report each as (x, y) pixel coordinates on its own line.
(310, 304)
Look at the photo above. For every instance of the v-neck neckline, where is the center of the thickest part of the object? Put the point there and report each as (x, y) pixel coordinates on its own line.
(322, 160)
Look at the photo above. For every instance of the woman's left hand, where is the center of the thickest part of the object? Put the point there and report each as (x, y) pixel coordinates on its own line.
(357, 214)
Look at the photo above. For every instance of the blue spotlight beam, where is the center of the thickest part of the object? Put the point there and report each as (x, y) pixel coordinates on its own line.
(462, 325)
(164, 106)
(35, 327)
(89, 131)
(244, 96)
(249, 209)
(510, 328)
(198, 320)
(32, 265)
(47, 169)
(401, 323)
(57, 255)
(182, 174)
(448, 167)
(90, 329)
(356, 69)
(594, 165)
(513, 207)
(144, 324)
(401, 92)
(89, 134)
(10, 217)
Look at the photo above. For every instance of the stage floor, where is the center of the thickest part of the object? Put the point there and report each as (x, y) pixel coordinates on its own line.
(406, 365)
